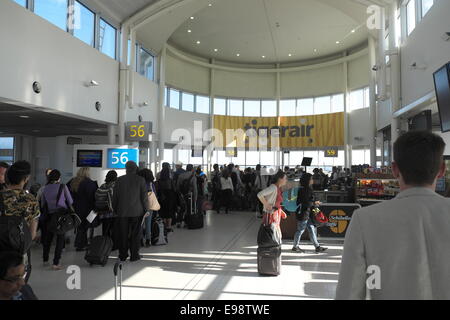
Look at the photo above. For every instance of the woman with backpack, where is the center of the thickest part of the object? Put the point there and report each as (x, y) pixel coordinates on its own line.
(306, 201)
(103, 204)
(166, 195)
(147, 174)
(83, 191)
(55, 196)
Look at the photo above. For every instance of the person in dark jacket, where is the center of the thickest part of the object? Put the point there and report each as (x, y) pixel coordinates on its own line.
(166, 190)
(149, 178)
(306, 202)
(130, 203)
(12, 278)
(83, 190)
(107, 217)
(3, 167)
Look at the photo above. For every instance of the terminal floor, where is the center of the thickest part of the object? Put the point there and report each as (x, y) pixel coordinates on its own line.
(217, 262)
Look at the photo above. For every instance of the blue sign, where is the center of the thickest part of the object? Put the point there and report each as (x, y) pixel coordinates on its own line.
(117, 158)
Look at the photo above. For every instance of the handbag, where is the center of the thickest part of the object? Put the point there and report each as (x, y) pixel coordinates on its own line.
(269, 235)
(153, 202)
(319, 218)
(64, 219)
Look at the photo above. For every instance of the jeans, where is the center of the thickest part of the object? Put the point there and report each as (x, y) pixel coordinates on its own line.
(148, 227)
(301, 226)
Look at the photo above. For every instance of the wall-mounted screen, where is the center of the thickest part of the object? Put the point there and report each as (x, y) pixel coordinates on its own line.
(442, 86)
(89, 158)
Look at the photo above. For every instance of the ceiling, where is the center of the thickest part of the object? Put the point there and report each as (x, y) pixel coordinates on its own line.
(44, 124)
(282, 31)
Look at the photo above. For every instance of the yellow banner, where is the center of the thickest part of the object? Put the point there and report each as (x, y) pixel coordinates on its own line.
(325, 130)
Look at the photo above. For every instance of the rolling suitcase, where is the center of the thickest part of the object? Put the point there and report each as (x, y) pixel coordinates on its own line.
(194, 218)
(99, 250)
(269, 261)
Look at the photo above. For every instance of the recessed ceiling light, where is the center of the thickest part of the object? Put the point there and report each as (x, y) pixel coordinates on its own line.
(238, 55)
(216, 50)
(198, 42)
(189, 31)
(192, 18)
(24, 117)
(210, 5)
(315, 50)
(263, 57)
(290, 54)
(338, 42)
(353, 31)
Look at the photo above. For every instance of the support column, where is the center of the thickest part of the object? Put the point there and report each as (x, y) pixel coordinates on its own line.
(212, 95)
(111, 134)
(278, 93)
(161, 107)
(123, 85)
(347, 153)
(373, 102)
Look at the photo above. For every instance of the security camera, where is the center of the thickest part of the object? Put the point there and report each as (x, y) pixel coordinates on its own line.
(416, 66)
(376, 68)
(446, 36)
(92, 83)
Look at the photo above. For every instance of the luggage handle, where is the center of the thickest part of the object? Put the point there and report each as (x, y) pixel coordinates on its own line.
(118, 267)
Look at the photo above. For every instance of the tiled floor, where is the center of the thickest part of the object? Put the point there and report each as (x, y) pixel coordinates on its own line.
(217, 262)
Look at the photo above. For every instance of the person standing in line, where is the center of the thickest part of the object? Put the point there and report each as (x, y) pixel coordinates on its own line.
(83, 191)
(3, 168)
(226, 192)
(165, 187)
(106, 212)
(306, 202)
(261, 182)
(178, 171)
(187, 187)
(147, 174)
(130, 203)
(216, 188)
(402, 244)
(55, 196)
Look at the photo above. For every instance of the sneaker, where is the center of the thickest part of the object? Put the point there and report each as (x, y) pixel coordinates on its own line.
(57, 268)
(297, 249)
(136, 259)
(321, 249)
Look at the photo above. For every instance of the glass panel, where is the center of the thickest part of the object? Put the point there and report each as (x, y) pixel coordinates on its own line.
(268, 108)
(174, 99)
(252, 158)
(305, 107)
(107, 41)
(54, 11)
(367, 156)
(322, 105)
(7, 149)
(84, 24)
(23, 3)
(184, 156)
(187, 102)
(166, 96)
(411, 16)
(220, 106)
(367, 97)
(146, 64)
(221, 158)
(337, 103)
(426, 6)
(268, 158)
(168, 156)
(202, 104)
(358, 157)
(356, 100)
(235, 108)
(288, 108)
(314, 155)
(340, 160)
(252, 108)
(295, 158)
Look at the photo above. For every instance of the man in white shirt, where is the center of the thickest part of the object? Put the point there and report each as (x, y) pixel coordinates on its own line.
(399, 249)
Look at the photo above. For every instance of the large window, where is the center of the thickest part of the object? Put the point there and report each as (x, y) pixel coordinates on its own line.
(411, 16)
(288, 108)
(235, 108)
(55, 11)
(337, 103)
(305, 107)
(107, 41)
(202, 104)
(360, 156)
(174, 99)
(220, 107)
(322, 105)
(23, 3)
(252, 108)
(146, 66)
(7, 149)
(268, 108)
(84, 24)
(359, 99)
(426, 6)
(187, 102)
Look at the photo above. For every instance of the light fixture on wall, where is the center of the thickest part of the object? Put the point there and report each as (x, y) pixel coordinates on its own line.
(417, 66)
(92, 83)
(144, 104)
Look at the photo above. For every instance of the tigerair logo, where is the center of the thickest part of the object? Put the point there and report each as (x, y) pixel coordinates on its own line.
(303, 130)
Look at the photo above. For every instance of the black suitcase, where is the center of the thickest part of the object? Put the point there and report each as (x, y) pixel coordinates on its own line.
(194, 217)
(99, 250)
(269, 261)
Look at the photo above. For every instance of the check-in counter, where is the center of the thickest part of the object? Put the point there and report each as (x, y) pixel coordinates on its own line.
(338, 214)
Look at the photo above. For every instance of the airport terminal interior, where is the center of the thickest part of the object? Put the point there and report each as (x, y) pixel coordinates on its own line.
(253, 86)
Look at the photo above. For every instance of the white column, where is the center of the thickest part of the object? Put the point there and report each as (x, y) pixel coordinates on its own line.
(123, 85)
(161, 107)
(111, 134)
(373, 103)
(212, 95)
(347, 155)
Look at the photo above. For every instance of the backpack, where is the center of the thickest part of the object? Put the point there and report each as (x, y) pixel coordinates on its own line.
(185, 186)
(15, 233)
(216, 182)
(234, 178)
(103, 201)
(159, 235)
